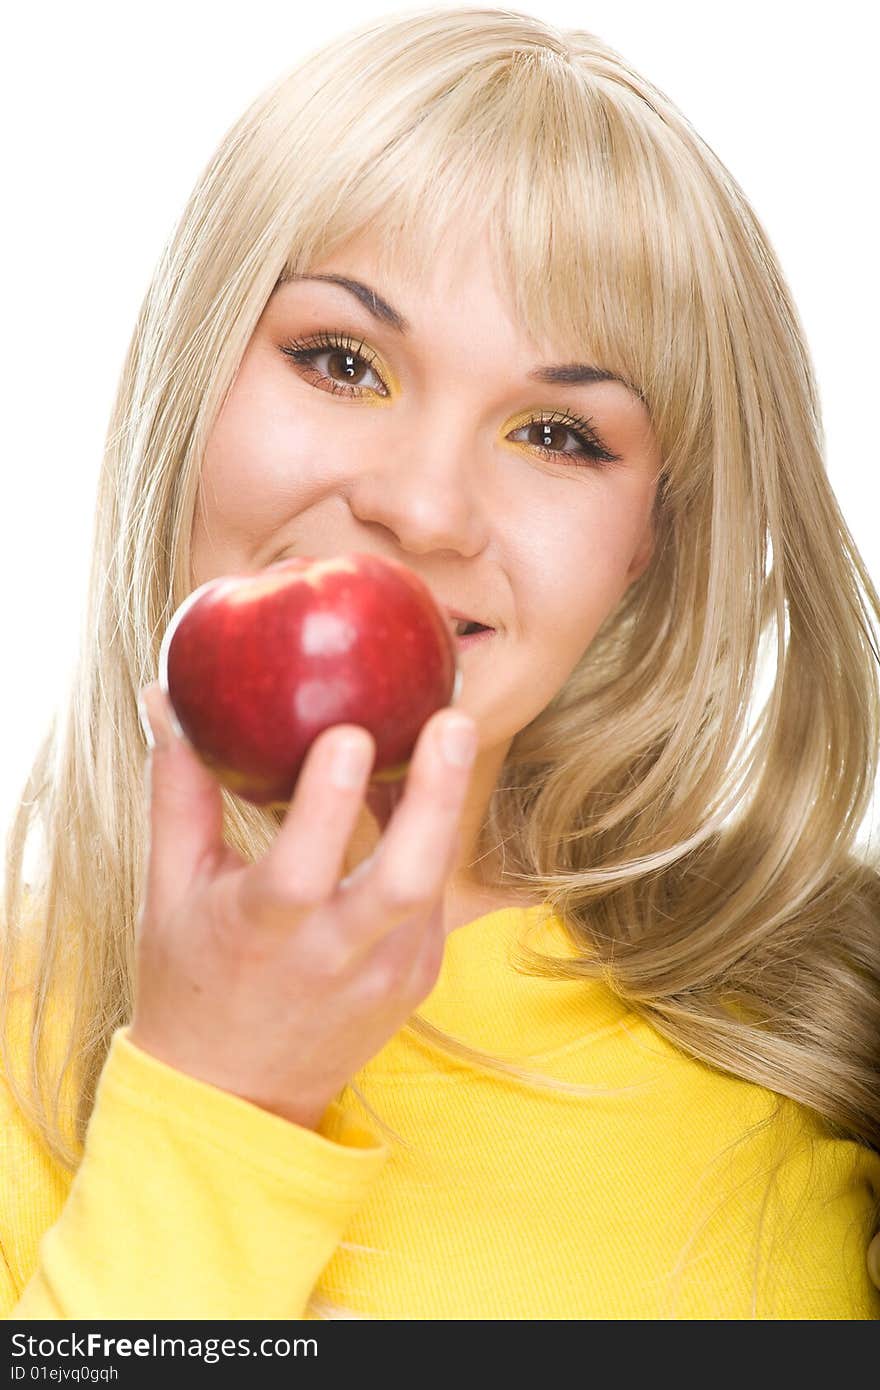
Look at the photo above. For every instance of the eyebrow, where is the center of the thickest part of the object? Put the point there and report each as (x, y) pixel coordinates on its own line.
(556, 374)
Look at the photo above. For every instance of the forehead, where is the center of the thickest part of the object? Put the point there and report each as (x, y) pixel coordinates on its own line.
(464, 262)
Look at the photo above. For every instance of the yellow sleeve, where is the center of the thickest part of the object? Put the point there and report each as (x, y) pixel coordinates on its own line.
(190, 1202)
(788, 1239)
(827, 1214)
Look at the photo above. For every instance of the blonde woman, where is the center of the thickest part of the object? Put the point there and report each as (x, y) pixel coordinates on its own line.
(586, 1024)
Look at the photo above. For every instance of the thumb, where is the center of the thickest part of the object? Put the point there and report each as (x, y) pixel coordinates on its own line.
(185, 805)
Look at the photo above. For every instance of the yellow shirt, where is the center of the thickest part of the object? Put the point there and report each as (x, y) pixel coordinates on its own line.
(509, 1202)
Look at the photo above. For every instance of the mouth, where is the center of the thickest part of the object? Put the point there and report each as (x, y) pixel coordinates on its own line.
(465, 629)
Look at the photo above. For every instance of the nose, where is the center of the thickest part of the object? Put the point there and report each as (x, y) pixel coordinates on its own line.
(424, 490)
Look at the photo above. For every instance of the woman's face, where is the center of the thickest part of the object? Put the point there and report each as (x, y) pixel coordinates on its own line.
(417, 440)
(424, 448)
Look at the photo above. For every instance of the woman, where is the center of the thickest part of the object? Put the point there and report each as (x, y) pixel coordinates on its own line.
(586, 1027)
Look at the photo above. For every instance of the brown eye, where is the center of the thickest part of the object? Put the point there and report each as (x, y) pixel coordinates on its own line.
(346, 366)
(347, 362)
(548, 435)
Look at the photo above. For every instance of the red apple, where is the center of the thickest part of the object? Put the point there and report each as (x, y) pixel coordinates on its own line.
(255, 666)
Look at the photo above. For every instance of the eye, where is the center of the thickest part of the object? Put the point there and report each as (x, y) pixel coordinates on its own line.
(590, 446)
(349, 359)
(346, 360)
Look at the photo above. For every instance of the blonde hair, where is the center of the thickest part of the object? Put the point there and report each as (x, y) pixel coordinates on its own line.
(712, 881)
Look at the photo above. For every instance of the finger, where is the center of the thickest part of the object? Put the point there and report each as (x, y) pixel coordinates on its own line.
(303, 866)
(428, 947)
(185, 805)
(428, 959)
(409, 867)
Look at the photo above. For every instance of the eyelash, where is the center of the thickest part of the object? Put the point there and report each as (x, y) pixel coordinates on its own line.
(302, 351)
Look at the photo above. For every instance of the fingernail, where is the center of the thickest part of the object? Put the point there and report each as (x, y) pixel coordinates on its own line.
(459, 742)
(154, 732)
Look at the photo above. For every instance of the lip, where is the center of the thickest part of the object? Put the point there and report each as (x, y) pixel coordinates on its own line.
(474, 637)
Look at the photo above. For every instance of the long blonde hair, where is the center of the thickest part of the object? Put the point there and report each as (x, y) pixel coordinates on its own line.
(713, 881)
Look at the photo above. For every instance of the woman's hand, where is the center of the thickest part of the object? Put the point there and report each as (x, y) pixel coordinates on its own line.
(275, 981)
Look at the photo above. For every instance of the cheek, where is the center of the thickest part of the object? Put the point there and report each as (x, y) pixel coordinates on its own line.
(261, 464)
(575, 574)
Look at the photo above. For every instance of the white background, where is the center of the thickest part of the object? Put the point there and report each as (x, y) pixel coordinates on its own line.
(111, 111)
